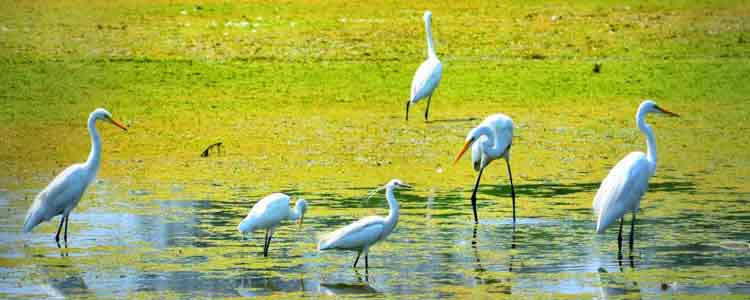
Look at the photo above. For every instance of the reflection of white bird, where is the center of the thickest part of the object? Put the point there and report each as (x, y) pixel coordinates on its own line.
(428, 75)
(360, 235)
(489, 141)
(61, 196)
(626, 183)
(269, 212)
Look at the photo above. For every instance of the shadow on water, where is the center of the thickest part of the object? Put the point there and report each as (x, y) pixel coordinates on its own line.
(456, 120)
(63, 279)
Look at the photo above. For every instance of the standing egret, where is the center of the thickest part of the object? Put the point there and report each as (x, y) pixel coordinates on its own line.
(360, 235)
(489, 141)
(428, 75)
(61, 196)
(269, 212)
(622, 189)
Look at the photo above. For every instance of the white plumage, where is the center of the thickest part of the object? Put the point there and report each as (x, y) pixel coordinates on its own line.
(361, 235)
(269, 212)
(621, 191)
(62, 195)
(429, 73)
(490, 140)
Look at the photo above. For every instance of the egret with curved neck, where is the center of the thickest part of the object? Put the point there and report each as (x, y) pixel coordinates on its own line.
(429, 73)
(269, 212)
(621, 191)
(361, 235)
(489, 141)
(61, 196)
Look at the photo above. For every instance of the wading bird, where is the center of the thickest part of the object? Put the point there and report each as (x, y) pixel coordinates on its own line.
(360, 235)
(489, 141)
(269, 212)
(61, 196)
(622, 189)
(428, 75)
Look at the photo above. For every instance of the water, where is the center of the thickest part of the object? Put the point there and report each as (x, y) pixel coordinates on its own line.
(172, 234)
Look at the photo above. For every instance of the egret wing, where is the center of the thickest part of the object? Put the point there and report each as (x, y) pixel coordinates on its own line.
(270, 210)
(622, 189)
(62, 193)
(426, 79)
(356, 235)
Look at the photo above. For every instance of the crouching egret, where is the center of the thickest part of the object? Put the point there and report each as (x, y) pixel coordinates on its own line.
(269, 212)
(61, 196)
(489, 141)
(622, 189)
(361, 235)
(428, 75)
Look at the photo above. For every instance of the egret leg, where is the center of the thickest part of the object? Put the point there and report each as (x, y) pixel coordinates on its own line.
(512, 192)
(408, 102)
(474, 196)
(427, 110)
(632, 231)
(268, 244)
(59, 228)
(65, 235)
(366, 264)
(265, 244)
(357, 259)
(619, 237)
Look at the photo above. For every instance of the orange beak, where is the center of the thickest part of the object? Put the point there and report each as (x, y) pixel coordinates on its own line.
(463, 150)
(669, 113)
(118, 124)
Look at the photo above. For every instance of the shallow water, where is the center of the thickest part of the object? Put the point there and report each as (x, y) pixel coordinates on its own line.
(169, 232)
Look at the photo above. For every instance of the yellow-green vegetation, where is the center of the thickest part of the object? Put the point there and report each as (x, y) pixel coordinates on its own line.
(307, 98)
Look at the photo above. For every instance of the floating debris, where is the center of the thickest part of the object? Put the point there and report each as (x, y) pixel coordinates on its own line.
(597, 67)
(735, 245)
(216, 146)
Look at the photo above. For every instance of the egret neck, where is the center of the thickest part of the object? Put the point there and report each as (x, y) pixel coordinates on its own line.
(430, 46)
(92, 163)
(392, 218)
(650, 138)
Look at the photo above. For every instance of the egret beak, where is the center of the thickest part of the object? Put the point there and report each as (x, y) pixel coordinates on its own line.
(463, 150)
(118, 124)
(405, 186)
(666, 112)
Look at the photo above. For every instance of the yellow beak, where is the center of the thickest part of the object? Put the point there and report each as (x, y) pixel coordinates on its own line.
(463, 150)
(118, 124)
(669, 113)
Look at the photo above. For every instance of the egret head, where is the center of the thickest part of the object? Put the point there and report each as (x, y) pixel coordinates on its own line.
(301, 208)
(427, 16)
(471, 137)
(395, 183)
(246, 225)
(104, 115)
(649, 106)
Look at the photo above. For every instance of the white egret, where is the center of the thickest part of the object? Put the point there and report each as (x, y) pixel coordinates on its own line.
(489, 141)
(428, 75)
(269, 212)
(61, 196)
(622, 189)
(361, 235)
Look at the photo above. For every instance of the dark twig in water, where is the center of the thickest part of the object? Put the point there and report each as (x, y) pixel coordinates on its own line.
(206, 152)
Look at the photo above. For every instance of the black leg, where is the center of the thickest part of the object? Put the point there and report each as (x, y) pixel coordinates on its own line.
(512, 191)
(619, 237)
(59, 228)
(408, 102)
(366, 264)
(268, 244)
(65, 236)
(357, 260)
(632, 231)
(474, 196)
(265, 243)
(427, 110)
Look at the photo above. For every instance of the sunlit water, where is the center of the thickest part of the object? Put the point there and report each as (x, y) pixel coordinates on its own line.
(142, 238)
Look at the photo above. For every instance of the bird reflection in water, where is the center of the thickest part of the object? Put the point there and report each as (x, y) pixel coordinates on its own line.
(63, 280)
(479, 268)
(360, 287)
